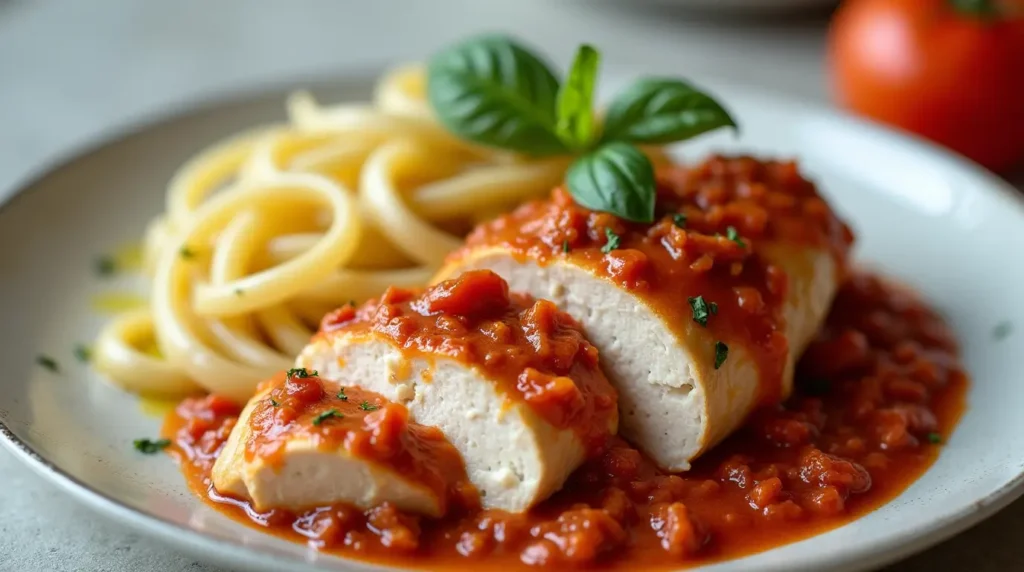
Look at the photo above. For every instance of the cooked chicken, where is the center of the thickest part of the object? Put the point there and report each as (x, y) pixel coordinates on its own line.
(510, 382)
(699, 316)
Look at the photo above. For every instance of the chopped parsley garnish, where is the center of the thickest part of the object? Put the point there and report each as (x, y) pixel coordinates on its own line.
(301, 373)
(565, 246)
(612, 242)
(365, 406)
(187, 253)
(105, 266)
(151, 447)
(48, 362)
(352, 303)
(83, 353)
(1002, 330)
(327, 415)
(934, 438)
(275, 402)
(816, 387)
(721, 353)
(239, 292)
(702, 310)
(679, 219)
(341, 394)
(732, 235)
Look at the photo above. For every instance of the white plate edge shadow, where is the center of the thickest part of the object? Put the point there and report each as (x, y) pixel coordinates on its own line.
(233, 554)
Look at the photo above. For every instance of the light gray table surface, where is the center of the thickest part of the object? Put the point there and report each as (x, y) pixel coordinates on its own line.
(71, 71)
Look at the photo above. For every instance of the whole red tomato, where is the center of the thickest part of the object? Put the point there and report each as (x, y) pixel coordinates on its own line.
(951, 70)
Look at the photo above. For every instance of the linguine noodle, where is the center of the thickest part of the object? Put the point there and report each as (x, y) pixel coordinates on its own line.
(267, 230)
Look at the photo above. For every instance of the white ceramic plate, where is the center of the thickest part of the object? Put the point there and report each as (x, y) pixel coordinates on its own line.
(930, 219)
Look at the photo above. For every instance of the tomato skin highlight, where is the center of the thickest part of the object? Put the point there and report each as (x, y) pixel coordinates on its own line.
(953, 75)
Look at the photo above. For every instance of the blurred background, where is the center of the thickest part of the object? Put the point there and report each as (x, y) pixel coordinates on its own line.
(74, 70)
(70, 70)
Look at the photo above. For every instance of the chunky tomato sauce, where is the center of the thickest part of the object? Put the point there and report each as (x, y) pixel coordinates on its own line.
(877, 394)
(710, 221)
(533, 351)
(300, 406)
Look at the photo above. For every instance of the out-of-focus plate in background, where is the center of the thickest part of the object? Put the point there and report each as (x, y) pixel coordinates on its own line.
(738, 6)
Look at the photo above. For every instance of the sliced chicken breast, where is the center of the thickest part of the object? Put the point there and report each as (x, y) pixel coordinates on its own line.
(304, 442)
(699, 316)
(511, 382)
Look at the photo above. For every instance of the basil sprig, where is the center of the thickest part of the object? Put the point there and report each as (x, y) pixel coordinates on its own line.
(494, 91)
(659, 110)
(616, 178)
(575, 113)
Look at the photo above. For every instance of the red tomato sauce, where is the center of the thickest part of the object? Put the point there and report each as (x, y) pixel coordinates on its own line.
(302, 406)
(711, 220)
(533, 351)
(877, 393)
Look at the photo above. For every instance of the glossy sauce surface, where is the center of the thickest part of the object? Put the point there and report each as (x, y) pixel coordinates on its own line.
(530, 349)
(711, 219)
(302, 406)
(878, 392)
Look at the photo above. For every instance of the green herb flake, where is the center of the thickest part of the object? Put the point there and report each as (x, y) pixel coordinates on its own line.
(734, 236)
(352, 303)
(565, 246)
(816, 387)
(48, 362)
(187, 253)
(83, 353)
(275, 402)
(713, 306)
(721, 353)
(983, 10)
(679, 219)
(239, 292)
(701, 309)
(151, 447)
(612, 241)
(366, 406)
(1002, 331)
(934, 438)
(105, 266)
(319, 419)
(302, 373)
(341, 394)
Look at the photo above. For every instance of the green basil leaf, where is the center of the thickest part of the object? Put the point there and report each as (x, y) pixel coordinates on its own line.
(493, 91)
(576, 100)
(617, 178)
(661, 110)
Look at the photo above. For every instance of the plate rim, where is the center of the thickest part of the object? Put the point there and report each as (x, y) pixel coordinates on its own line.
(231, 552)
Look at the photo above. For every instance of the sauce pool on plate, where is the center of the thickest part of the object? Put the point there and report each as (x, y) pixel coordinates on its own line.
(878, 392)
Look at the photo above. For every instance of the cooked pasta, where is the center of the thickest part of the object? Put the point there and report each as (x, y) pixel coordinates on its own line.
(267, 230)
(272, 227)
